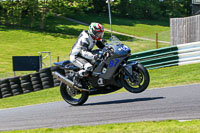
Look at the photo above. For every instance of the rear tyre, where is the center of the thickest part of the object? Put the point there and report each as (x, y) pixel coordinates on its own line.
(73, 96)
(141, 79)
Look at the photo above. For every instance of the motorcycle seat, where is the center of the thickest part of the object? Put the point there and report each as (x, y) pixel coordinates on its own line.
(66, 65)
(71, 67)
(62, 63)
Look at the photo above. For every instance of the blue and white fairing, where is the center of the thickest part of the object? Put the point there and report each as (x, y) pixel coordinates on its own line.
(118, 54)
(119, 48)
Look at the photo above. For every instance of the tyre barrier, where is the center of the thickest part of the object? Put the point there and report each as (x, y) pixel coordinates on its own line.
(0, 95)
(46, 78)
(5, 88)
(36, 81)
(15, 85)
(30, 82)
(26, 83)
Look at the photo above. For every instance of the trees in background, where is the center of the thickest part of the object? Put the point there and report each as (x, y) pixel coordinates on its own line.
(155, 9)
(13, 12)
(176, 8)
(144, 9)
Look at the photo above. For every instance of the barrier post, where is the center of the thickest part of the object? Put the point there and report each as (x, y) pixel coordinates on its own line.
(156, 40)
(58, 58)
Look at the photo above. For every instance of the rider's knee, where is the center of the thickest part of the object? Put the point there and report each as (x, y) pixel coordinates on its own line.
(72, 58)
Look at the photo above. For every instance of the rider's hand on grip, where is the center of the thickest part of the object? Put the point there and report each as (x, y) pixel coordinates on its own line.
(106, 54)
(97, 56)
(104, 41)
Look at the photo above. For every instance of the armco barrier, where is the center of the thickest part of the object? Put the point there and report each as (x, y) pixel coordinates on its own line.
(170, 56)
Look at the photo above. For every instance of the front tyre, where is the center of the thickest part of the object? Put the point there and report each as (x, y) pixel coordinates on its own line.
(140, 79)
(73, 96)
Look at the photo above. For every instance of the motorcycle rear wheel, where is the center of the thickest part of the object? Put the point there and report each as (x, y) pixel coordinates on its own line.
(141, 79)
(73, 96)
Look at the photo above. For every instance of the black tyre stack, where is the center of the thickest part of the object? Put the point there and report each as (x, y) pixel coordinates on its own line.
(26, 83)
(56, 82)
(15, 86)
(46, 78)
(5, 88)
(31, 82)
(0, 94)
(36, 81)
(0, 90)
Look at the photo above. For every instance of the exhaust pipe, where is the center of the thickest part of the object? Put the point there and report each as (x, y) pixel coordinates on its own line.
(67, 81)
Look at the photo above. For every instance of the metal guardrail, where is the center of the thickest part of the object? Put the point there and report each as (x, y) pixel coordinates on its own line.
(169, 56)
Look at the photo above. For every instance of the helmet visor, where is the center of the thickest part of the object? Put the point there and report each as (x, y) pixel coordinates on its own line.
(99, 34)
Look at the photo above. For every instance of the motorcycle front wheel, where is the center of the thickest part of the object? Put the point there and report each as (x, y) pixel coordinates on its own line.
(73, 96)
(140, 79)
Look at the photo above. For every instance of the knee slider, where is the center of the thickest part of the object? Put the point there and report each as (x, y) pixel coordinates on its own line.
(72, 58)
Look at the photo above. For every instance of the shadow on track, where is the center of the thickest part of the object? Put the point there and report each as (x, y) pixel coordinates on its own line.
(125, 101)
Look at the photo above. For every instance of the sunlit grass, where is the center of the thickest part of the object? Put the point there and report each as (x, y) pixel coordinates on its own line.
(25, 43)
(141, 28)
(170, 126)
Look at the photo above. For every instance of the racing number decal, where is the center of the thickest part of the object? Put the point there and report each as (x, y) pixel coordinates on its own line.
(113, 63)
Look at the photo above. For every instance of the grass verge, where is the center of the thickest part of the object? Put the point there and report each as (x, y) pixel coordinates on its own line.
(141, 28)
(139, 127)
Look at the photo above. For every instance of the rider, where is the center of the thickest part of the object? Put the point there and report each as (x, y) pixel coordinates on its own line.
(81, 54)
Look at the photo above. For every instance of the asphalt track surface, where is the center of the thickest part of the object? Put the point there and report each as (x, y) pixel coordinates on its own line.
(174, 103)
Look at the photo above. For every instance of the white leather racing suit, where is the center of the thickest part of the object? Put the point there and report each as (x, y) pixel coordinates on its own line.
(81, 54)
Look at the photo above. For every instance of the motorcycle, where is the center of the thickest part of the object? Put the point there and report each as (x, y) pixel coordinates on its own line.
(110, 73)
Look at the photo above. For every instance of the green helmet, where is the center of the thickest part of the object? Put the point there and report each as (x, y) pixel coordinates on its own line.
(96, 30)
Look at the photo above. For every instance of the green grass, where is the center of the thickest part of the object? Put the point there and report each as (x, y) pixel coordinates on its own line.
(141, 28)
(58, 39)
(139, 127)
(142, 45)
(172, 76)
(43, 96)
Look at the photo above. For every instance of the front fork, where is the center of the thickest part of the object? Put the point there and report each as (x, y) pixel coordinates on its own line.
(127, 69)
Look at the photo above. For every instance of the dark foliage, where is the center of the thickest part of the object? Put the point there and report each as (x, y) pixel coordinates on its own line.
(13, 12)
